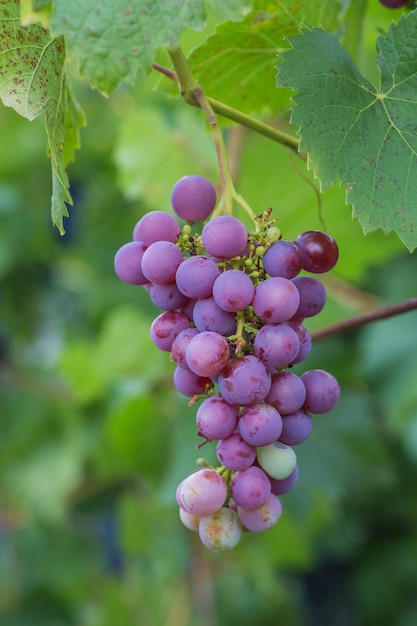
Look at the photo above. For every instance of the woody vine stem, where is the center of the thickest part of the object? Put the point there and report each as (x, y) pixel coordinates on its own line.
(192, 93)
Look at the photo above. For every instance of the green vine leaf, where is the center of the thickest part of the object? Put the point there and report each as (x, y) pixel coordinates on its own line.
(237, 63)
(112, 39)
(33, 81)
(355, 134)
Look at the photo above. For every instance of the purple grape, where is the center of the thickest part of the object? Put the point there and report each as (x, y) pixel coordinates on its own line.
(202, 493)
(156, 226)
(160, 262)
(304, 338)
(244, 381)
(312, 296)
(260, 424)
(207, 315)
(279, 487)
(250, 488)
(263, 517)
(179, 346)
(224, 236)
(233, 291)
(283, 258)
(166, 327)
(322, 391)
(190, 384)
(393, 4)
(196, 275)
(188, 309)
(207, 354)
(220, 531)
(318, 250)
(216, 418)
(235, 453)
(127, 263)
(287, 393)
(276, 300)
(296, 427)
(193, 198)
(276, 345)
(167, 297)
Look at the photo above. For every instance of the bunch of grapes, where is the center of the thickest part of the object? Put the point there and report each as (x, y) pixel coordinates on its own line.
(233, 304)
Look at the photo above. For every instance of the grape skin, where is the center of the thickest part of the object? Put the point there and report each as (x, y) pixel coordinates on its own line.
(305, 340)
(393, 4)
(188, 383)
(260, 425)
(283, 258)
(216, 418)
(220, 531)
(312, 296)
(160, 262)
(281, 486)
(276, 300)
(189, 520)
(233, 291)
(319, 251)
(276, 345)
(287, 393)
(179, 346)
(250, 488)
(167, 296)
(322, 391)
(128, 261)
(235, 453)
(193, 198)
(156, 226)
(202, 493)
(207, 354)
(278, 459)
(263, 517)
(195, 276)
(207, 315)
(166, 327)
(224, 237)
(296, 427)
(244, 381)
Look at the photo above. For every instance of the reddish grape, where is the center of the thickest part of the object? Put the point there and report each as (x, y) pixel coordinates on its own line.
(319, 251)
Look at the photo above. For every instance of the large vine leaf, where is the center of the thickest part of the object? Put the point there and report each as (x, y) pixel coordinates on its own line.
(33, 81)
(112, 39)
(355, 134)
(237, 63)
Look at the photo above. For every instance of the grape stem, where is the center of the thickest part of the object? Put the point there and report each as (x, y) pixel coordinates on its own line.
(233, 114)
(365, 318)
(192, 93)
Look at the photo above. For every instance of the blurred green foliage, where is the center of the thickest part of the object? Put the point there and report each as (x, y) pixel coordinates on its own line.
(94, 439)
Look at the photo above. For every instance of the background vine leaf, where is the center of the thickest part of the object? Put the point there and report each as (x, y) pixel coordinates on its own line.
(33, 81)
(237, 63)
(110, 41)
(356, 134)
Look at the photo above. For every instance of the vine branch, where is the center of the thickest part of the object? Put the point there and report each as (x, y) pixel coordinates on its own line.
(225, 110)
(193, 94)
(365, 318)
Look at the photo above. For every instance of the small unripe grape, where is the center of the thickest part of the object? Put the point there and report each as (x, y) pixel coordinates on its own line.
(273, 233)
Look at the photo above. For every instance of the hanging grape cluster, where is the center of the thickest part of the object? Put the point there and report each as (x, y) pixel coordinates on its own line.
(234, 301)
